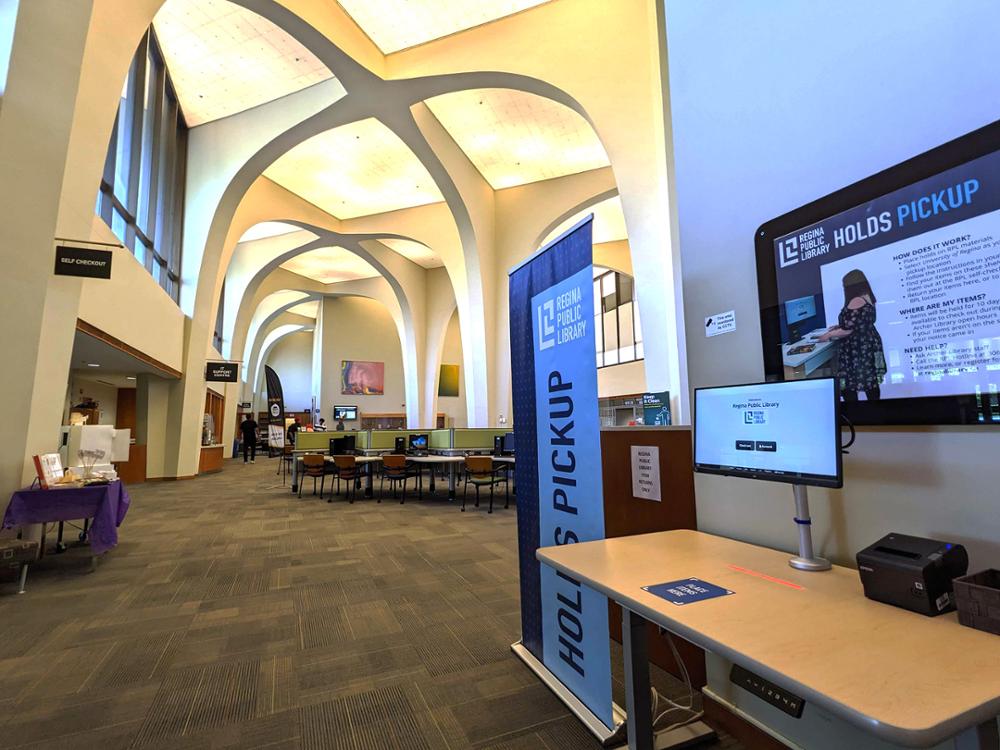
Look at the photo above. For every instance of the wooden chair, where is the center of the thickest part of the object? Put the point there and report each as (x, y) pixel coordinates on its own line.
(480, 472)
(347, 469)
(313, 466)
(398, 470)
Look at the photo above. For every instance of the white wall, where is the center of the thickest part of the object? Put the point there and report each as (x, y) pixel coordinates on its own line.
(291, 358)
(770, 111)
(453, 408)
(761, 126)
(358, 328)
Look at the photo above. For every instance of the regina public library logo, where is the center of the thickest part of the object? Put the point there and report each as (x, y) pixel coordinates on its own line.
(546, 325)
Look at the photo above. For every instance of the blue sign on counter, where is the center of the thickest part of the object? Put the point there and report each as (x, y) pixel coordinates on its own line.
(686, 591)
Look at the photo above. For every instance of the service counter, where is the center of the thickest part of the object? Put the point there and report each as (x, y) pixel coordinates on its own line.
(211, 459)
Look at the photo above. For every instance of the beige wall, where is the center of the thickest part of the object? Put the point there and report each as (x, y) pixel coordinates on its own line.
(357, 328)
(291, 358)
(622, 380)
(106, 397)
(451, 354)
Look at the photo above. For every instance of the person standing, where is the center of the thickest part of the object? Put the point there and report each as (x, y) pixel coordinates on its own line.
(340, 424)
(860, 356)
(250, 433)
(293, 428)
(321, 427)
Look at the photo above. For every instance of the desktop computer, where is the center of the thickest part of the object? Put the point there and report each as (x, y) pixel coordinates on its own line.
(343, 446)
(400, 445)
(780, 432)
(507, 444)
(418, 444)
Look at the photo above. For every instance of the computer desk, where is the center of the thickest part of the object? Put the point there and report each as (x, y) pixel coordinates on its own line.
(906, 678)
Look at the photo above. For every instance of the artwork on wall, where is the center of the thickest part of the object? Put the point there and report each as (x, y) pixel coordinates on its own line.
(362, 378)
(448, 382)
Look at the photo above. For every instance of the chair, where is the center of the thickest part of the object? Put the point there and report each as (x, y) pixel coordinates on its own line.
(480, 472)
(15, 555)
(398, 470)
(313, 466)
(347, 469)
(285, 462)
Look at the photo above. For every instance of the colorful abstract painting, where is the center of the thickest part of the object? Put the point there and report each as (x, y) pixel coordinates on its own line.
(448, 383)
(362, 378)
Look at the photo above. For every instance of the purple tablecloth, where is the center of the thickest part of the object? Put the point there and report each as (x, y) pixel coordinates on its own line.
(106, 504)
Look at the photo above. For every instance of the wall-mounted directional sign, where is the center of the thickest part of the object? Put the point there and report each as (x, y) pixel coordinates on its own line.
(83, 261)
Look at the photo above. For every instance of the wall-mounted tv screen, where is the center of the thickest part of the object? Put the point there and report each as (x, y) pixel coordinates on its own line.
(892, 286)
(346, 413)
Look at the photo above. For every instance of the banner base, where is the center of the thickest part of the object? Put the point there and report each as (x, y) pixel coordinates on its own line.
(608, 737)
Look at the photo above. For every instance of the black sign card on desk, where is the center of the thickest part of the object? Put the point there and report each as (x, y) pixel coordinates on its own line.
(221, 372)
(83, 261)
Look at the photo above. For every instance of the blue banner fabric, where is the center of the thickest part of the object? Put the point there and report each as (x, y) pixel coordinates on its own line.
(558, 444)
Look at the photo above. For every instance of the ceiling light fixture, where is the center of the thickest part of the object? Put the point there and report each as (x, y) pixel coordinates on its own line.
(93, 364)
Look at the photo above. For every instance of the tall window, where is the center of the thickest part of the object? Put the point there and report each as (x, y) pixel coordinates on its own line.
(616, 319)
(142, 190)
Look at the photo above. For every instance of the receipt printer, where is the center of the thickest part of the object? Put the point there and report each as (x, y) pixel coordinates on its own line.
(912, 573)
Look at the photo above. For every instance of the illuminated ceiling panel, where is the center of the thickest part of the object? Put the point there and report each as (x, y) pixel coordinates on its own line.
(306, 309)
(329, 265)
(266, 229)
(514, 138)
(609, 222)
(224, 59)
(355, 170)
(415, 251)
(398, 24)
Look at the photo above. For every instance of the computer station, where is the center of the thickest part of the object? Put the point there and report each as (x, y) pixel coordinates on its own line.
(500, 375)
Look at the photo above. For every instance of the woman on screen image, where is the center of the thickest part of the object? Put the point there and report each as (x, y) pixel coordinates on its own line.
(861, 358)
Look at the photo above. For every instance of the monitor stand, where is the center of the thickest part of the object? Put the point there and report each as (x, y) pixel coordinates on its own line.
(806, 559)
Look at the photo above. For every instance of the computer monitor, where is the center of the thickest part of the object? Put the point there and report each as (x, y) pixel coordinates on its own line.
(800, 309)
(781, 432)
(345, 413)
(342, 446)
(507, 444)
(418, 442)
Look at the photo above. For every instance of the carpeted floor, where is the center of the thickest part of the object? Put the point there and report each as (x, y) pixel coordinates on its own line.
(233, 615)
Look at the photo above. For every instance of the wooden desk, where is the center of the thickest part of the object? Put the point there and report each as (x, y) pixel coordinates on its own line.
(906, 678)
(211, 459)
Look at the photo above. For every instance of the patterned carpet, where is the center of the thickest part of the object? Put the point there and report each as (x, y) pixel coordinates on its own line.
(233, 615)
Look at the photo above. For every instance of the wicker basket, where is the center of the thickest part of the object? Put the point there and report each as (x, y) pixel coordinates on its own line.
(977, 598)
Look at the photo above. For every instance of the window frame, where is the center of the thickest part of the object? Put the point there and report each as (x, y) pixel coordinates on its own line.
(601, 314)
(154, 239)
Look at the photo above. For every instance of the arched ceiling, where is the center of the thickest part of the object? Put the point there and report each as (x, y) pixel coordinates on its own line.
(224, 59)
(355, 170)
(306, 309)
(395, 25)
(264, 229)
(329, 265)
(415, 251)
(513, 137)
(609, 222)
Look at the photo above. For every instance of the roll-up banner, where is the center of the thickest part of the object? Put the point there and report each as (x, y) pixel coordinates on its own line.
(275, 409)
(564, 624)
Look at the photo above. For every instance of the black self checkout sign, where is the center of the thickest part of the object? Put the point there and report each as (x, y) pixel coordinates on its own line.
(82, 261)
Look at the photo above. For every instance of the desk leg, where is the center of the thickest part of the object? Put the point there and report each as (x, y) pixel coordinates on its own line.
(638, 703)
(368, 480)
(432, 478)
(983, 737)
(451, 481)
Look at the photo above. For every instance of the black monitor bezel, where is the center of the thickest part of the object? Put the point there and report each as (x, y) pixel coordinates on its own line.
(959, 409)
(354, 408)
(425, 435)
(812, 480)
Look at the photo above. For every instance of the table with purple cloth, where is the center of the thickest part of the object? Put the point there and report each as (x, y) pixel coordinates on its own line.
(106, 504)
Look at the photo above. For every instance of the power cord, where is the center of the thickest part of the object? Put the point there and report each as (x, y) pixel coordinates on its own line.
(694, 714)
(854, 434)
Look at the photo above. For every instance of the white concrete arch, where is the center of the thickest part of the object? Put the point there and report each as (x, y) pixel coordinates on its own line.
(275, 332)
(570, 212)
(271, 307)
